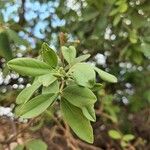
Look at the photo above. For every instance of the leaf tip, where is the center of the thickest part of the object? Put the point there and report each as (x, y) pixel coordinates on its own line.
(115, 80)
(90, 140)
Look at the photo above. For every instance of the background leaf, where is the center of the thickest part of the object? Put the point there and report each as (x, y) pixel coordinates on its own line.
(36, 144)
(114, 134)
(19, 147)
(128, 137)
(16, 38)
(5, 49)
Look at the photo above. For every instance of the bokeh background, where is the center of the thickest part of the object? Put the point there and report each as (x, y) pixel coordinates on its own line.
(117, 35)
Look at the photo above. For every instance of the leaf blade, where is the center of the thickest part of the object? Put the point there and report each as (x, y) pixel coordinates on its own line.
(49, 55)
(106, 76)
(29, 66)
(79, 96)
(84, 74)
(52, 88)
(69, 54)
(26, 94)
(89, 113)
(78, 123)
(47, 79)
(35, 106)
(81, 58)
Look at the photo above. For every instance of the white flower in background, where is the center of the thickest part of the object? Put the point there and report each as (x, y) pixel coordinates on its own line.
(100, 59)
(113, 37)
(6, 111)
(125, 100)
(107, 34)
(127, 21)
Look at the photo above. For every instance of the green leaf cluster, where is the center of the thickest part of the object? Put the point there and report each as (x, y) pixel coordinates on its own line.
(124, 139)
(72, 82)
